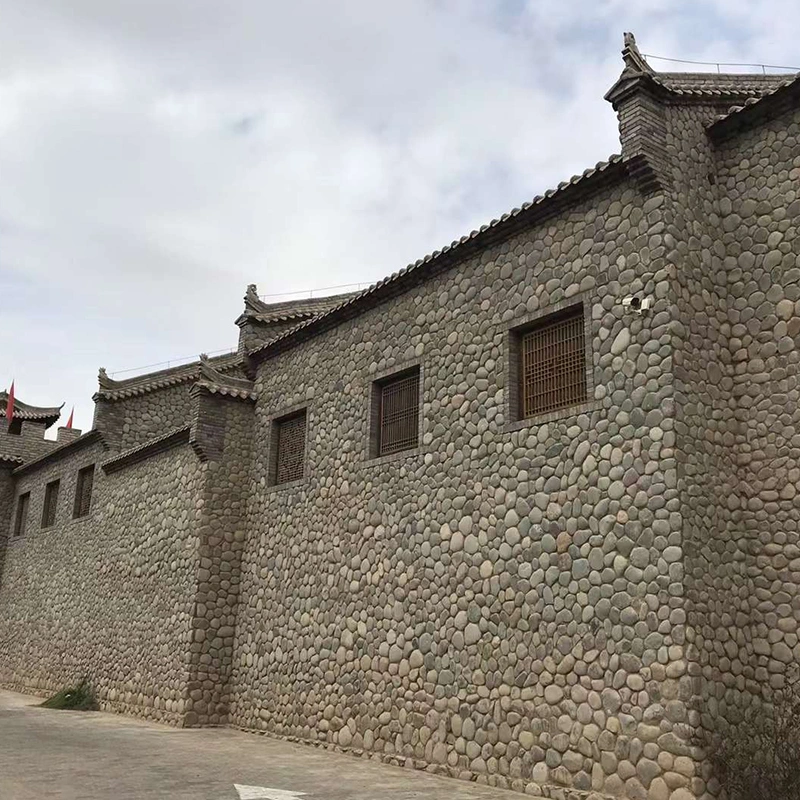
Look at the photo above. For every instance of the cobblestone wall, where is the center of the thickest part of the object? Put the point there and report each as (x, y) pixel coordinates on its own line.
(501, 602)
(552, 605)
(705, 423)
(109, 595)
(221, 537)
(759, 216)
(133, 421)
(6, 506)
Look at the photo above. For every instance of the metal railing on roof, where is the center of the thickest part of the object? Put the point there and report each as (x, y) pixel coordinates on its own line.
(176, 362)
(718, 64)
(310, 293)
(173, 362)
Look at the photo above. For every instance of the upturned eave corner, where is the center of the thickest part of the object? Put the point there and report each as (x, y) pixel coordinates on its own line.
(253, 305)
(212, 381)
(637, 74)
(630, 83)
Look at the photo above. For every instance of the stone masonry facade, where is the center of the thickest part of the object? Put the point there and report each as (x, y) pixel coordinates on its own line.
(552, 602)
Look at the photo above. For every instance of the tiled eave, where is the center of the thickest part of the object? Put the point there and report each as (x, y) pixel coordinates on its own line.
(233, 392)
(542, 207)
(213, 381)
(59, 452)
(270, 319)
(756, 110)
(713, 85)
(30, 413)
(683, 88)
(256, 310)
(175, 438)
(153, 381)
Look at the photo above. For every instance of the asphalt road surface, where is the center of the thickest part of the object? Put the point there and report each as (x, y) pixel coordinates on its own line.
(67, 755)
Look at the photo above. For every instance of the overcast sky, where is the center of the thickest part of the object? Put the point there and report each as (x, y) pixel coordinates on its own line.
(157, 156)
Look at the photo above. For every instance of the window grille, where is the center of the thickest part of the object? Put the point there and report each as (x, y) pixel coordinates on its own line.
(83, 492)
(553, 364)
(399, 414)
(50, 504)
(21, 519)
(290, 448)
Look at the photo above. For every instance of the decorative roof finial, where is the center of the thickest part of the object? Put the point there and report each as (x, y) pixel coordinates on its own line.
(633, 59)
(103, 380)
(251, 300)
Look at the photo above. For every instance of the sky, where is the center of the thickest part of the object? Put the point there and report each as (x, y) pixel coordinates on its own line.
(158, 156)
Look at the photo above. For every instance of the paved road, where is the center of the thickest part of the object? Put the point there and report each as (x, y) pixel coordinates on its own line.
(94, 756)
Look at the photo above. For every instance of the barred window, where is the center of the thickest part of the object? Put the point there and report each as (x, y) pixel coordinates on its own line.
(552, 363)
(83, 492)
(289, 439)
(396, 408)
(21, 519)
(50, 504)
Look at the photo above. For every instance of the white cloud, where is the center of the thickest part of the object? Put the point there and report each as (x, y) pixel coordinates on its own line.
(158, 156)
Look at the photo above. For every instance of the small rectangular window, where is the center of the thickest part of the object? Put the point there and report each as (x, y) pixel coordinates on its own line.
(50, 504)
(21, 519)
(83, 492)
(552, 363)
(396, 413)
(289, 447)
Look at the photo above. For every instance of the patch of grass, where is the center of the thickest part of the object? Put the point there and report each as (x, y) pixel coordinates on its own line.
(73, 698)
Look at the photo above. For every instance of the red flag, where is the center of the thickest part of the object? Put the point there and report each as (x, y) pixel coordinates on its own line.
(71, 414)
(10, 404)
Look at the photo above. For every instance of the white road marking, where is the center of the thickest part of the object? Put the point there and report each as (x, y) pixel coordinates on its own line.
(262, 793)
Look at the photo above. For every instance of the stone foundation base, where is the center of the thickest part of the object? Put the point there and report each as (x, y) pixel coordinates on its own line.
(540, 791)
(150, 714)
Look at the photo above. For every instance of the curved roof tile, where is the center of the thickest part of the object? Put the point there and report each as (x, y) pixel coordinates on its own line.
(110, 389)
(507, 219)
(24, 411)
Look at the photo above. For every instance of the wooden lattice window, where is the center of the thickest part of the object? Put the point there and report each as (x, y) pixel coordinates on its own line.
(290, 448)
(21, 519)
(83, 492)
(397, 413)
(552, 363)
(50, 504)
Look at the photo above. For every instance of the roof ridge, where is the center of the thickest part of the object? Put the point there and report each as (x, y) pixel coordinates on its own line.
(537, 202)
(111, 389)
(748, 104)
(215, 382)
(285, 310)
(718, 85)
